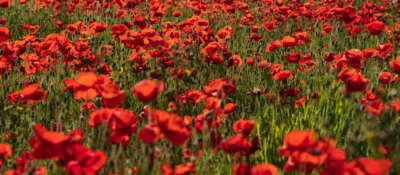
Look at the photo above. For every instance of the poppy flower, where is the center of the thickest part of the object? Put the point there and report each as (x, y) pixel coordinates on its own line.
(147, 90)
(84, 160)
(120, 13)
(224, 33)
(255, 36)
(385, 77)
(176, 13)
(99, 116)
(282, 75)
(29, 95)
(354, 58)
(236, 144)
(241, 169)
(293, 57)
(326, 28)
(369, 53)
(122, 123)
(384, 49)
(118, 30)
(112, 95)
(376, 107)
(3, 21)
(376, 27)
(193, 96)
(273, 46)
(374, 166)
(304, 153)
(59, 23)
(335, 163)
(97, 27)
(83, 85)
(395, 64)
(149, 134)
(171, 126)
(243, 126)
(229, 108)
(139, 21)
(4, 4)
(4, 33)
(354, 81)
(217, 86)
(5, 152)
(184, 169)
(328, 56)
(289, 42)
(264, 169)
(236, 60)
(47, 140)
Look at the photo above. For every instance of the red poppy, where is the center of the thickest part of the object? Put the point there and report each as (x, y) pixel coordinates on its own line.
(5, 152)
(326, 28)
(273, 46)
(376, 107)
(147, 90)
(376, 27)
(282, 75)
(4, 4)
(149, 134)
(289, 41)
(264, 169)
(122, 123)
(171, 126)
(217, 86)
(369, 53)
(396, 105)
(241, 169)
(47, 140)
(354, 58)
(243, 126)
(3, 21)
(235, 144)
(395, 64)
(4, 33)
(120, 13)
(184, 169)
(229, 108)
(385, 77)
(224, 33)
(112, 96)
(354, 81)
(384, 49)
(118, 30)
(303, 152)
(193, 96)
(99, 116)
(97, 27)
(374, 166)
(335, 163)
(293, 57)
(176, 13)
(83, 85)
(28, 95)
(84, 161)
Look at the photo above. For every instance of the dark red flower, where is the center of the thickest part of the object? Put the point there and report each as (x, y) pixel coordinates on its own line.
(147, 90)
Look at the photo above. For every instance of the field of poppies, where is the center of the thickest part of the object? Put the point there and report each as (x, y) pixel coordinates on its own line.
(219, 87)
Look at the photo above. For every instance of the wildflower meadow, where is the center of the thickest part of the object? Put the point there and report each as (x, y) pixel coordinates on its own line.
(202, 87)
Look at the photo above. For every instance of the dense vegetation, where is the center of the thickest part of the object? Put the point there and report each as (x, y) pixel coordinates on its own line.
(199, 87)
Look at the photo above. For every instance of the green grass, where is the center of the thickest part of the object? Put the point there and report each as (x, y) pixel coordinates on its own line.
(340, 117)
